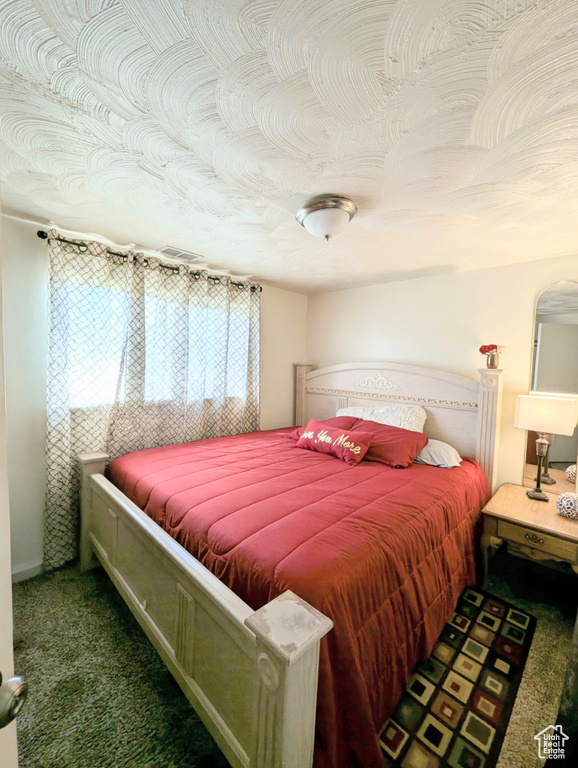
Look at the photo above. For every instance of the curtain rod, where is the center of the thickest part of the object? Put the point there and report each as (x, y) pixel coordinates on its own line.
(43, 235)
(81, 246)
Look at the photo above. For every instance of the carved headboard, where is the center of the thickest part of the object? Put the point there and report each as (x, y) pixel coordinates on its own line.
(460, 411)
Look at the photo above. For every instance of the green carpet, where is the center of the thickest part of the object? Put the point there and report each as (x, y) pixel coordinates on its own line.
(100, 697)
(550, 596)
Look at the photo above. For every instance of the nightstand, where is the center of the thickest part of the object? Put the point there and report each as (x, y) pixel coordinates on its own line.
(535, 527)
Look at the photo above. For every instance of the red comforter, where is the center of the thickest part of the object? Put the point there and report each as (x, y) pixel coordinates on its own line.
(383, 552)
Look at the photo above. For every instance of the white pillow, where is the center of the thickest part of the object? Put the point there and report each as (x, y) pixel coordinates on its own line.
(410, 417)
(358, 412)
(439, 454)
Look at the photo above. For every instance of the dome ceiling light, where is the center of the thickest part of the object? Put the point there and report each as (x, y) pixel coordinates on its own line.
(326, 215)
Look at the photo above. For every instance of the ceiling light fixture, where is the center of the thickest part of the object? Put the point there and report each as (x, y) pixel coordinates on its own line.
(326, 215)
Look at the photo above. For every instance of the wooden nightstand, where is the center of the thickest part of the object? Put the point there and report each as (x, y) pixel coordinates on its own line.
(535, 527)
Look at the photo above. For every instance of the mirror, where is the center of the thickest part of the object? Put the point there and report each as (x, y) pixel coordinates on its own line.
(555, 369)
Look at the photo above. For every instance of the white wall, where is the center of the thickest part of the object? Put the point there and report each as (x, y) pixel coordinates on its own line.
(566, 318)
(283, 343)
(556, 370)
(8, 748)
(25, 281)
(441, 322)
(25, 275)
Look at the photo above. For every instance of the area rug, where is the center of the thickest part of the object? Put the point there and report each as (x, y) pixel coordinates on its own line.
(457, 705)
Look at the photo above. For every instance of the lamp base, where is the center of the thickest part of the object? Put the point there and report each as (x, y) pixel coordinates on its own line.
(537, 494)
(541, 448)
(546, 479)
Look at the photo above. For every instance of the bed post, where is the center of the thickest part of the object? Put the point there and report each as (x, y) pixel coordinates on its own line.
(301, 372)
(489, 410)
(90, 464)
(288, 632)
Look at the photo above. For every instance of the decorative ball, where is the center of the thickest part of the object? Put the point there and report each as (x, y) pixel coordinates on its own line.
(567, 505)
(571, 473)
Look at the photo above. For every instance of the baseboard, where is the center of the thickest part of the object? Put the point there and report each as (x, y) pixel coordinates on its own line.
(26, 572)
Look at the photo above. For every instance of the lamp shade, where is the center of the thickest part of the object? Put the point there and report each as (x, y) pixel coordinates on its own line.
(326, 215)
(326, 222)
(550, 415)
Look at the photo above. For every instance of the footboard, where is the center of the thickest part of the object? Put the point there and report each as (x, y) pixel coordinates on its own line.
(250, 675)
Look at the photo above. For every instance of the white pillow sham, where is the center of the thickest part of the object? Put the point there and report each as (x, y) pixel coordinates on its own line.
(410, 417)
(439, 454)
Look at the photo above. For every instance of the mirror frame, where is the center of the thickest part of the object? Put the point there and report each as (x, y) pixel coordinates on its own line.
(533, 350)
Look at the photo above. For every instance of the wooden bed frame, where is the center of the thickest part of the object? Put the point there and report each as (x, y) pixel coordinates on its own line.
(252, 675)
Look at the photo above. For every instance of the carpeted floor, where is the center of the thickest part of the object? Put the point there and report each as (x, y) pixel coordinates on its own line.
(101, 698)
(456, 708)
(551, 596)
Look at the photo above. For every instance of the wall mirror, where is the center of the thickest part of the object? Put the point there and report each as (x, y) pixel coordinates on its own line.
(555, 369)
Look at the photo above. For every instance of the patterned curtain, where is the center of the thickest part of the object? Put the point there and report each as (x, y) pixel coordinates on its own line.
(141, 354)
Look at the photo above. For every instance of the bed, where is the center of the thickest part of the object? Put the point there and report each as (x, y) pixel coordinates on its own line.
(245, 648)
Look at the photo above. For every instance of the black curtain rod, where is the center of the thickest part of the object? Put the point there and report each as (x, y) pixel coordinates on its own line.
(83, 247)
(44, 236)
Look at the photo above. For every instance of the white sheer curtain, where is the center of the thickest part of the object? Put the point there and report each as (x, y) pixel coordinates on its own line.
(141, 354)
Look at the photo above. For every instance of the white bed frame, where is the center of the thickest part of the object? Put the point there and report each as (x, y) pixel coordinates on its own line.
(252, 675)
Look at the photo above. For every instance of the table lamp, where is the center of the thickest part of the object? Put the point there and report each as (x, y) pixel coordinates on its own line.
(547, 415)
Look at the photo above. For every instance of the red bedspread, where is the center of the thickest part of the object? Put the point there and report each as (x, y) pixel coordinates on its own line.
(383, 552)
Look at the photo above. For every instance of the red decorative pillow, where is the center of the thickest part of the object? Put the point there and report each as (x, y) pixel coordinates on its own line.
(339, 422)
(391, 445)
(317, 436)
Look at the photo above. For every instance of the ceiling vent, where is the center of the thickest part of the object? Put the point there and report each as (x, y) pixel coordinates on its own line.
(178, 253)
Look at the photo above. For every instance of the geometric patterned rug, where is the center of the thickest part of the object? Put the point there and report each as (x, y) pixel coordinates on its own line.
(455, 709)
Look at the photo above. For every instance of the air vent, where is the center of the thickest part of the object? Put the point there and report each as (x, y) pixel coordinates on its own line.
(177, 253)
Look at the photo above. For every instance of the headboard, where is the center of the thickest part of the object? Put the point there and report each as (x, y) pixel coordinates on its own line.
(460, 411)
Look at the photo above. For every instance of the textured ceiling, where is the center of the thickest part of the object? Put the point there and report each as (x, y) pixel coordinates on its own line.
(205, 124)
(558, 299)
